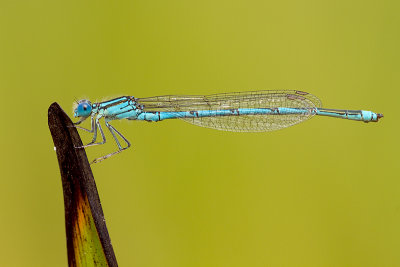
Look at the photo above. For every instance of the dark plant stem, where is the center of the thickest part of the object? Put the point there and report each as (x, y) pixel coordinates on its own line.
(78, 184)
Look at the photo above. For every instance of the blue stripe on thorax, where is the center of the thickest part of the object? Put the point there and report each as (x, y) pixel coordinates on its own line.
(119, 108)
(109, 103)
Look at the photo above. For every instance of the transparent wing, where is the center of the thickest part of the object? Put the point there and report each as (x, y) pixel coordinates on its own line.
(238, 123)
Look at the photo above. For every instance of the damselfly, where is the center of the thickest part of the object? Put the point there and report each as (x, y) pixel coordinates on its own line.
(255, 111)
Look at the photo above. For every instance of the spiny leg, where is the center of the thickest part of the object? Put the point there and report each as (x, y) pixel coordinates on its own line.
(113, 131)
(92, 143)
(93, 126)
(92, 130)
(128, 144)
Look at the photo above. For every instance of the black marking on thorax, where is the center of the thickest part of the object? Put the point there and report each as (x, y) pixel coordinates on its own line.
(123, 99)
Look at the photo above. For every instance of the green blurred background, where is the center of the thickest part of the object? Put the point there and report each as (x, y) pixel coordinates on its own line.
(322, 193)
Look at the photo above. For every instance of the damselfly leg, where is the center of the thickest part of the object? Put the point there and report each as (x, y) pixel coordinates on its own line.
(92, 123)
(120, 148)
(95, 124)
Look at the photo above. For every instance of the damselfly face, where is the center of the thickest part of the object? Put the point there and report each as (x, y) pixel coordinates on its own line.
(83, 109)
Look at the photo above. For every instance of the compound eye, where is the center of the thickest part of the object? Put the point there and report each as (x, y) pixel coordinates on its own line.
(83, 109)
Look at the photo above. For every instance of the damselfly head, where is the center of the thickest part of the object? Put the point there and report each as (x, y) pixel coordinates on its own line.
(83, 108)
